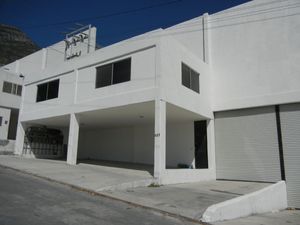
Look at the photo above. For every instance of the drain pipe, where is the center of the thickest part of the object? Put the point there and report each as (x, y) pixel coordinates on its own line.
(205, 37)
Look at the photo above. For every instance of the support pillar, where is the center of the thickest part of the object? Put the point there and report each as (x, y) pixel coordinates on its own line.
(19, 144)
(73, 140)
(160, 138)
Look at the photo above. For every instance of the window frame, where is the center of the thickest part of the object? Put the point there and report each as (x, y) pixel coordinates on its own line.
(13, 89)
(112, 66)
(191, 72)
(47, 90)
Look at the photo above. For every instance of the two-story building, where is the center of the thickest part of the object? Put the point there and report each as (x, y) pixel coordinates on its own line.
(10, 99)
(215, 97)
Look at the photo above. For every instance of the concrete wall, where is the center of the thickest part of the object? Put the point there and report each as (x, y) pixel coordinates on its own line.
(190, 35)
(180, 144)
(261, 201)
(172, 55)
(125, 144)
(31, 108)
(136, 144)
(142, 77)
(77, 87)
(5, 114)
(6, 99)
(255, 55)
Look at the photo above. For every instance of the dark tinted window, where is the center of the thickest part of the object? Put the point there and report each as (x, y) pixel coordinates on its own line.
(41, 92)
(53, 89)
(19, 90)
(47, 91)
(194, 81)
(113, 73)
(185, 76)
(12, 88)
(104, 76)
(7, 87)
(0, 121)
(121, 71)
(189, 78)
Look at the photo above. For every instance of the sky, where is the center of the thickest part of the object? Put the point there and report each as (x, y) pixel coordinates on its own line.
(44, 21)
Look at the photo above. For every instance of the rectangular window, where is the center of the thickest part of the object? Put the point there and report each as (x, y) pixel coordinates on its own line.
(12, 88)
(7, 87)
(19, 90)
(104, 76)
(190, 78)
(1, 121)
(113, 73)
(47, 91)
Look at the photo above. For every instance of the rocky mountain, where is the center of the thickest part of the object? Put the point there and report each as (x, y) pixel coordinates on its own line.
(14, 44)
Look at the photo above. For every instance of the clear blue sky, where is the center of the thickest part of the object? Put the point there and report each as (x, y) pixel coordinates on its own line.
(43, 20)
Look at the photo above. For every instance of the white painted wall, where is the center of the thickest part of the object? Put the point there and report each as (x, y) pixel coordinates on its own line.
(115, 144)
(172, 55)
(32, 109)
(5, 114)
(6, 99)
(142, 77)
(143, 144)
(125, 144)
(255, 56)
(136, 144)
(189, 34)
(180, 144)
(261, 201)
(77, 92)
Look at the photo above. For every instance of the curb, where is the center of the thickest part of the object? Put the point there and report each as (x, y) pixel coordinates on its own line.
(94, 193)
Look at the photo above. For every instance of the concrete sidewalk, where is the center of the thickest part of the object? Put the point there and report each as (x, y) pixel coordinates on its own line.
(87, 176)
(285, 217)
(186, 200)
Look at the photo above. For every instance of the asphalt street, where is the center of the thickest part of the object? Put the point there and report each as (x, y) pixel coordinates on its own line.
(25, 199)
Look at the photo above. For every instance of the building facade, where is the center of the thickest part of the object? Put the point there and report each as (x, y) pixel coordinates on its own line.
(215, 97)
(10, 99)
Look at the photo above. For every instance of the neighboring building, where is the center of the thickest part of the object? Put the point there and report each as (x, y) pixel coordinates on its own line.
(219, 94)
(10, 99)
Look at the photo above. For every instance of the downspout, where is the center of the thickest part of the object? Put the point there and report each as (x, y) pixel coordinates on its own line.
(205, 37)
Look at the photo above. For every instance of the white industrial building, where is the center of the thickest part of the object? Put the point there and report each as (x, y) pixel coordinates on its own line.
(215, 97)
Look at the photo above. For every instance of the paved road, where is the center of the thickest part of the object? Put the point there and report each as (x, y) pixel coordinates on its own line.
(25, 199)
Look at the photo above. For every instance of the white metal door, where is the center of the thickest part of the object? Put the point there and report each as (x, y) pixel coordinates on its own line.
(290, 126)
(247, 145)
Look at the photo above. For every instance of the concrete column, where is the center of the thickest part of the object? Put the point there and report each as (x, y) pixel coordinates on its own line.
(211, 146)
(160, 138)
(73, 140)
(20, 139)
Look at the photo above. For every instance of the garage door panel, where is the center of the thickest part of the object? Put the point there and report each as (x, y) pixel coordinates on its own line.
(290, 125)
(247, 145)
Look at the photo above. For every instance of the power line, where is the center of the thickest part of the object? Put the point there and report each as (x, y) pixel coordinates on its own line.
(106, 15)
(251, 13)
(237, 16)
(230, 10)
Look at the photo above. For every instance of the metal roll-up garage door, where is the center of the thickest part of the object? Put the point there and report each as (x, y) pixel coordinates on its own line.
(290, 127)
(247, 145)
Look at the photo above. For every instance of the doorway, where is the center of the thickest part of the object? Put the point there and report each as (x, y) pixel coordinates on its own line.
(200, 131)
